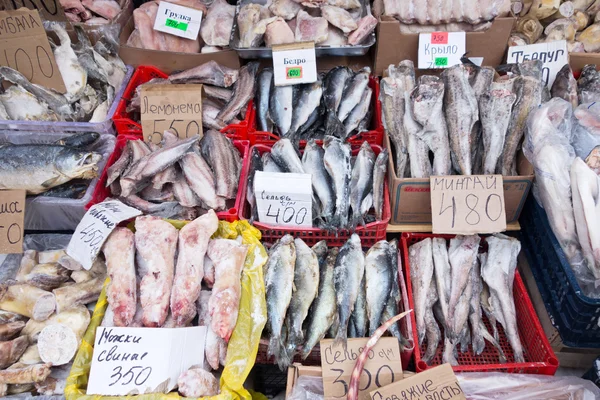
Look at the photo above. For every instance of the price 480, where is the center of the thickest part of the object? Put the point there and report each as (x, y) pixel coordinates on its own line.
(491, 208)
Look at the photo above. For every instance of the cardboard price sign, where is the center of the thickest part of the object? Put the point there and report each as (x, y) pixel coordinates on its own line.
(24, 46)
(12, 214)
(383, 366)
(50, 10)
(294, 63)
(283, 198)
(467, 204)
(554, 56)
(441, 49)
(175, 107)
(94, 228)
(143, 360)
(435, 383)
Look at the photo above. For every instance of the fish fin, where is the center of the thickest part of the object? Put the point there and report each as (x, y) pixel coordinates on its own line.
(50, 182)
(333, 126)
(341, 337)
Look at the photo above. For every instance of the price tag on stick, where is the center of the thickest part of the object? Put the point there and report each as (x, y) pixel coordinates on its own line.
(175, 107)
(24, 46)
(130, 361)
(12, 215)
(178, 20)
(441, 49)
(294, 63)
(467, 204)
(383, 366)
(94, 228)
(283, 198)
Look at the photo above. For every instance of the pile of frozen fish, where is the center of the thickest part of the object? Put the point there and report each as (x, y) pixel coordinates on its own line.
(343, 191)
(91, 75)
(319, 291)
(558, 139)
(215, 29)
(332, 23)
(467, 121)
(576, 21)
(92, 12)
(227, 92)
(43, 318)
(156, 281)
(451, 285)
(179, 180)
(417, 16)
(62, 169)
(337, 104)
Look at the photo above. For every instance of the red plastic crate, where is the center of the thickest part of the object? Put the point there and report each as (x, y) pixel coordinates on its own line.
(539, 357)
(369, 234)
(101, 192)
(126, 125)
(374, 136)
(314, 358)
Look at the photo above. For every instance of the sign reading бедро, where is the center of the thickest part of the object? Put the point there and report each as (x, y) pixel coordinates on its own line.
(553, 55)
(95, 226)
(383, 366)
(294, 63)
(130, 361)
(12, 215)
(178, 20)
(467, 204)
(439, 50)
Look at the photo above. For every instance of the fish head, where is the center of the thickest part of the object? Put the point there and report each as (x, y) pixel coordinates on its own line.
(78, 163)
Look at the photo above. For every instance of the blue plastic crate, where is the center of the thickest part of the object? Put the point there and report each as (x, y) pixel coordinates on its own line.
(575, 315)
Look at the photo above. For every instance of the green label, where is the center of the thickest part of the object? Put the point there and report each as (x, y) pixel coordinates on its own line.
(441, 61)
(182, 26)
(294, 72)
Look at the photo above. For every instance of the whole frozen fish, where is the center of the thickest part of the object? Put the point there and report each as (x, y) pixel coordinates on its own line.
(378, 274)
(255, 165)
(361, 182)
(323, 310)
(225, 161)
(263, 89)
(73, 74)
(347, 276)
(565, 86)
(210, 73)
(285, 155)
(281, 108)
(359, 319)
(495, 113)
(391, 307)
(337, 164)
(279, 281)
(379, 172)
(306, 100)
(353, 93)
(461, 111)
(432, 330)
(242, 93)
(358, 113)
(418, 151)
(313, 164)
(334, 84)
(588, 85)
(19, 104)
(269, 165)
(421, 275)
(201, 180)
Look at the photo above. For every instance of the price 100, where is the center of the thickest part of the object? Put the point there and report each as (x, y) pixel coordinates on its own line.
(490, 208)
(287, 214)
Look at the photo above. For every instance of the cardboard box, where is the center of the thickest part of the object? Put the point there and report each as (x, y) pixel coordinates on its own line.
(393, 46)
(411, 197)
(580, 60)
(167, 61)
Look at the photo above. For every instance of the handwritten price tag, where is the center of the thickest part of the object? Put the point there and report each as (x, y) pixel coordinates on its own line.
(94, 228)
(141, 360)
(12, 214)
(383, 366)
(441, 49)
(178, 20)
(283, 198)
(175, 107)
(50, 10)
(294, 63)
(553, 55)
(467, 204)
(24, 46)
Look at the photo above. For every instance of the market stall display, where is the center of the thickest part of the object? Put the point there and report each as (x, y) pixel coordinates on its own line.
(94, 12)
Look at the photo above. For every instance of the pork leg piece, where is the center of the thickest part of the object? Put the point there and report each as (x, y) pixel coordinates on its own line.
(27, 300)
(12, 350)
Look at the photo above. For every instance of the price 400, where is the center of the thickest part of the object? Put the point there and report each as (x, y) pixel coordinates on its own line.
(476, 209)
(288, 214)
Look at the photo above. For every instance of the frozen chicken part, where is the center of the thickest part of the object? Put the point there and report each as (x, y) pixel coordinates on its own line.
(197, 382)
(278, 32)
(216, 27)
(439, 12)
(366, 25)
(311, 29)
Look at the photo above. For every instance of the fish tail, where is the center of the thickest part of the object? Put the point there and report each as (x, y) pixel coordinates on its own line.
(342, 336)
(274, 345)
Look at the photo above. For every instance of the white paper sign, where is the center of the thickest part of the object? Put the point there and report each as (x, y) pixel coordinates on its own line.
(441, 49)
(129, 361)
(177, 20)
(283, 198)
(294, 63)
(94, 228)
(554, 55)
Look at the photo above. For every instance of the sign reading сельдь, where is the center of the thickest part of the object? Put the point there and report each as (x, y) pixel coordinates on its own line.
(294, 63)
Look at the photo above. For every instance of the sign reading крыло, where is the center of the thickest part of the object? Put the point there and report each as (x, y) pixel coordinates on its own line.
(439, 50)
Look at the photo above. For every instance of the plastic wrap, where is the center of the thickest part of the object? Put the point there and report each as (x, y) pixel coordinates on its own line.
(307, 388)
(51, 213)
(242, 346)
(586, 133)
(492, 386)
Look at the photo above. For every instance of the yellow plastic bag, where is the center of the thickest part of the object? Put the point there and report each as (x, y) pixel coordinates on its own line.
(242, 346)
